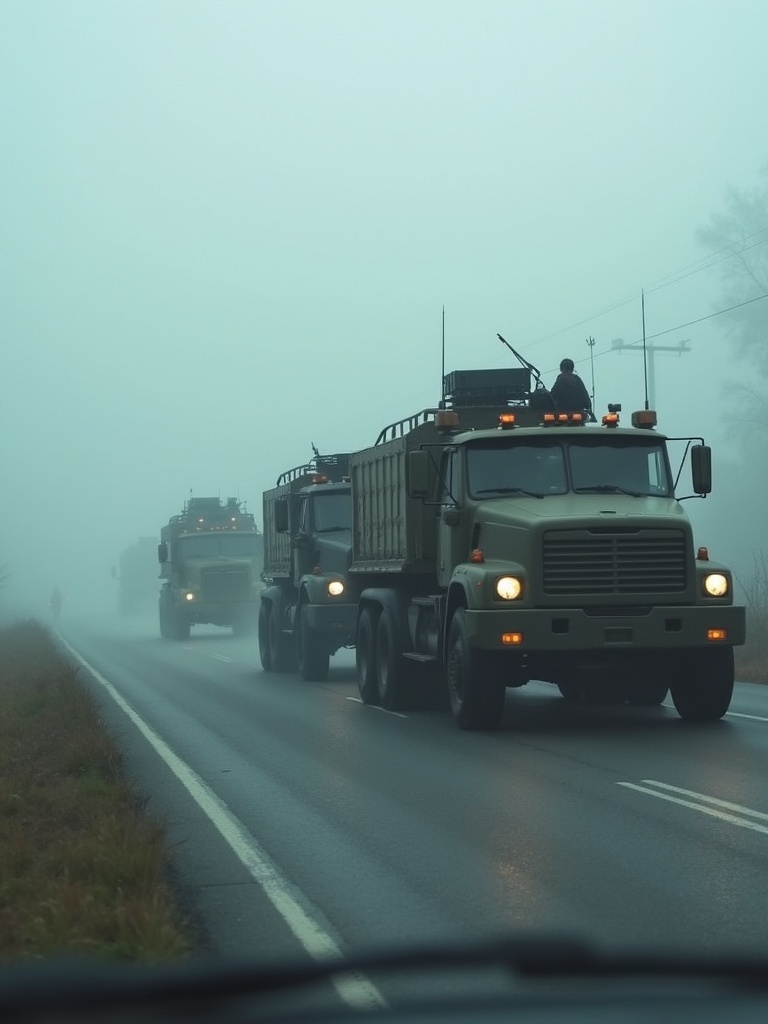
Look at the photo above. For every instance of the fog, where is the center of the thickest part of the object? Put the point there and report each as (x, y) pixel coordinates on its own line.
(229, 230)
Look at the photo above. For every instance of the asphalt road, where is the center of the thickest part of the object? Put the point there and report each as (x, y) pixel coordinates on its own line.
(301, 818)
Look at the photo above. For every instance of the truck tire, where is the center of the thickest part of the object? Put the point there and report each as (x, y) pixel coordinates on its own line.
(365, 657)
(165, 629)
(390, 669)
(264, 628)
(477, 696)
(312, 657)
(702, 684)
(281, 653)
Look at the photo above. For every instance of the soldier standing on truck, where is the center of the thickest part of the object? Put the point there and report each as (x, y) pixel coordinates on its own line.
(569, 392)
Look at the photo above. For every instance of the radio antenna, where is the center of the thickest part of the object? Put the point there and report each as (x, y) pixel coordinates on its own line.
(645, 350)
(442, 374)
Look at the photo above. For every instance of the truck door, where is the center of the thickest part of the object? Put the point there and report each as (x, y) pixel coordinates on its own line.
(452, 526)
(302, 542)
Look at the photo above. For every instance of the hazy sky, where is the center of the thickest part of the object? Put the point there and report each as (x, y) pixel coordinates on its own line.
(227, 230)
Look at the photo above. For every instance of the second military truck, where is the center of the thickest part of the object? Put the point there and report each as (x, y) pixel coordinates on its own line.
(497, 541)
(308, 608)
(210, 559)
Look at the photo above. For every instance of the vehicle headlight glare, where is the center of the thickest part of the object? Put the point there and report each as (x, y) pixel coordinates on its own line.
(189, 596)
(716, 584)
(508, 588)
(335, 588)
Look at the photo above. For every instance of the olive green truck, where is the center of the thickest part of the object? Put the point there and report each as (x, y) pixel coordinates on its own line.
(210, 558)
(308, 608)
(495, 542)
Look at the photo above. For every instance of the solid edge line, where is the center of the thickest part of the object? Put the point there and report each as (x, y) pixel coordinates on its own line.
(356, 990)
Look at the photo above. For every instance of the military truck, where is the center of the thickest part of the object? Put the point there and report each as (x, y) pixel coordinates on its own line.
(308, 608)
(137, 577)
(210, 559)
(497, 541)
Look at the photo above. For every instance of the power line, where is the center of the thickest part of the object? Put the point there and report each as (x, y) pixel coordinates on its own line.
(705, 263)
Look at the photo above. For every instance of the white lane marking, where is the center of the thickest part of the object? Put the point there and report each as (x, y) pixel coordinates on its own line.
(219, 657)
(742, 822)
(375, 707)
(728, 714)
(354, 989)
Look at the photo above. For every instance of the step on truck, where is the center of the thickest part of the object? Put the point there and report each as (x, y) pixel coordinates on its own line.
(308, 608)
(210, 558)
(496, 541)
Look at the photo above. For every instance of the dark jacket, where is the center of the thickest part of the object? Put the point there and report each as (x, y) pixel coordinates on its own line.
(569, 394)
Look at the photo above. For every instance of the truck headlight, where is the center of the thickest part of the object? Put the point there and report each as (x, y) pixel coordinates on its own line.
(189, 595)
(716, 584)
(336, 588)
(508, 588)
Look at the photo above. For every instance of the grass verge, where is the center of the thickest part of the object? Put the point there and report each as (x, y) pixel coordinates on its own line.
(83, 869)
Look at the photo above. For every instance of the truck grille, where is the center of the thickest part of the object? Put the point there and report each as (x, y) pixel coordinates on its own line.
(614, 561)
(226, 584)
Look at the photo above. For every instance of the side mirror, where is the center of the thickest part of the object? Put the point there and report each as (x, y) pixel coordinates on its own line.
(281, 515)
(701, 468)
(162, 552)
(419, 474)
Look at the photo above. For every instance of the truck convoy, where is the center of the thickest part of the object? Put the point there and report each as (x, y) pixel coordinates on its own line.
(137, 577)
(210, 559)
(308, 608)
(495, 541)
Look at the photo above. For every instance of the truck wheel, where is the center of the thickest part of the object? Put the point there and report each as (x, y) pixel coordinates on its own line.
(477, 697)
(391, 672)
(281, 653)
(703, 684)
(312, 656)
(264, 629)
(365, 657)
(165, 631)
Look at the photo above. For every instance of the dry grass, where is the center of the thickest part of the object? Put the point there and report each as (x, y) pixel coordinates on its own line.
(82, 868)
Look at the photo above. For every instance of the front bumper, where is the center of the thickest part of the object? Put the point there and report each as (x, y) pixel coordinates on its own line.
(572, 629)
(337, 619)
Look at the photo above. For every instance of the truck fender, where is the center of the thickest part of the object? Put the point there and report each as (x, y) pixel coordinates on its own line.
(457, 597)
(312, 589)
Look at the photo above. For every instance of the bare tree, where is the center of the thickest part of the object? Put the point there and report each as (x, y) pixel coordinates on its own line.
(739, 233)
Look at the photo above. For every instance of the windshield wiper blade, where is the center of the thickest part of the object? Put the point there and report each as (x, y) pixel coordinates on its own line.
(509, 490)
(609, 489)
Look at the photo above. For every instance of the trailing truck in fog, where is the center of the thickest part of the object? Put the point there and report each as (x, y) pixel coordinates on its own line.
(210, 559)
(496, 541)
(308, 609)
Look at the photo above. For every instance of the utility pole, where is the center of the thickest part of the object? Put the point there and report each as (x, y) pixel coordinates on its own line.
(618, 345)
(591, 343)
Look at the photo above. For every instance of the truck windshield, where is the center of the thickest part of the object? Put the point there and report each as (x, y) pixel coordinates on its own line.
(535, 469)
(332, 511)
(623, 466)
(584, 465)
(213, 545)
